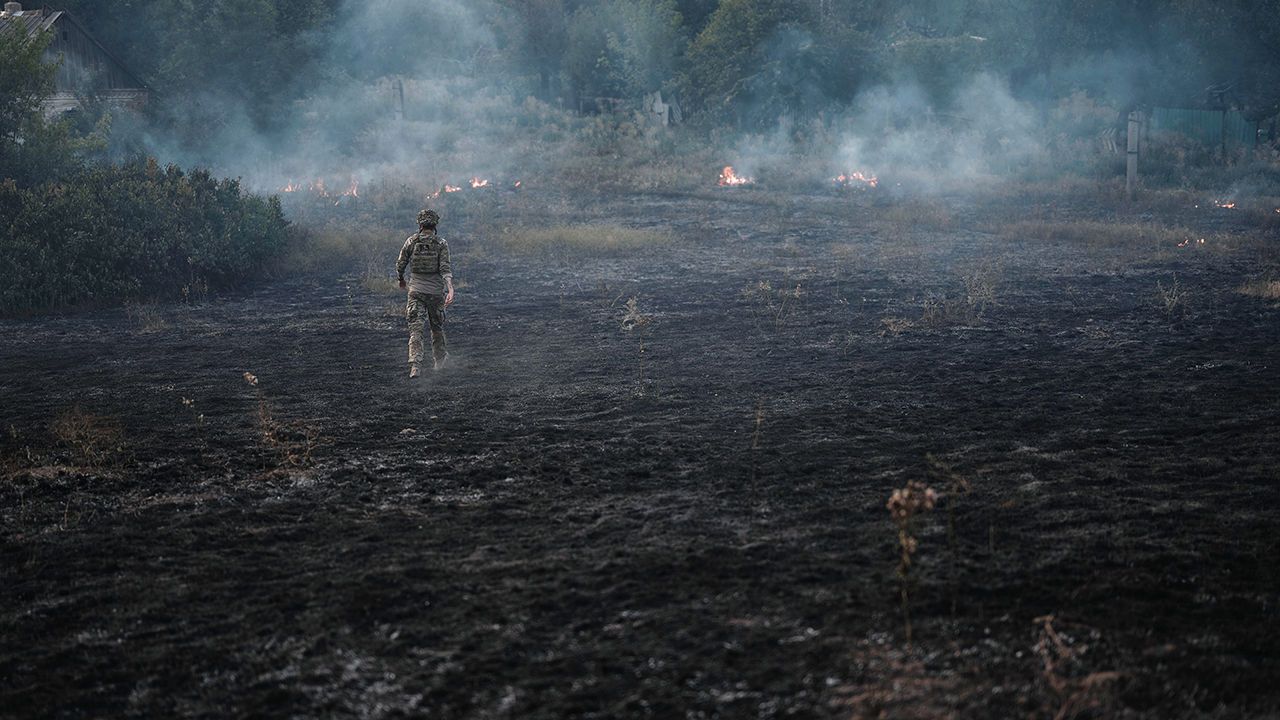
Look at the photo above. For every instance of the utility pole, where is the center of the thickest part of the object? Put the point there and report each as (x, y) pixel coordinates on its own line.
(1131, 164)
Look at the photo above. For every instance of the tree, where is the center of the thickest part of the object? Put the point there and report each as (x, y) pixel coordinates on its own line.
(623, 48)
(730, 49)
(32, 148)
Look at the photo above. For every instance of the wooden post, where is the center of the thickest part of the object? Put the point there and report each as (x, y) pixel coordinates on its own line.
(1131, 166)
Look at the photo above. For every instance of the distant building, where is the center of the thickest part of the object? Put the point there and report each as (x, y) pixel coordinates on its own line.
(86, 68)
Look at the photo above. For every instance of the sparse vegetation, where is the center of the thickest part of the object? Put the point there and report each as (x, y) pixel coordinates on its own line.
(574, 240)
(95, 439)
(147, 317)
(1264, 289)
(294, 443)
(1172, 298)
(905, 505)
(1074, 689)
(1098, 235)
(954, 487)
(635, 321)
(774, 306)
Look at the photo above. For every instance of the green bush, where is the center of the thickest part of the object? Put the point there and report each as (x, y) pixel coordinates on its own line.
(111, 233)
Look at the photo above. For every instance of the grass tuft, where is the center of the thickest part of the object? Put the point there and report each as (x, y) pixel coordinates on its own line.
(1265, 289)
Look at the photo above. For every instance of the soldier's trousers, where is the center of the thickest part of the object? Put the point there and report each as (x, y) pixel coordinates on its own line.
(429, 308)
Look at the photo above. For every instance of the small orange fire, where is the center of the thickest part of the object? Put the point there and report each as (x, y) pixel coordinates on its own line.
(856, 179)
(478, 183)
(1189, 243)
(728, 178)
(1228, 205)
(318, 188)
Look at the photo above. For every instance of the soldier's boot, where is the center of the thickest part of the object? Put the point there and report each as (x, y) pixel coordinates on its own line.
(413, 370)
(440, 362)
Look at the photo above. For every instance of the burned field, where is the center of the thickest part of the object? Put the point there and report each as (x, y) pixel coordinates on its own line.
(653, 482)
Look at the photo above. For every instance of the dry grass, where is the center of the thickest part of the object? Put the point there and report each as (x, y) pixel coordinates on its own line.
(1100, 235)
(334, 245)
(1265, 289)
(920, 215)
(775, 305)
(146, 317)
(1172, 299)
(95, 439)
(581, 239)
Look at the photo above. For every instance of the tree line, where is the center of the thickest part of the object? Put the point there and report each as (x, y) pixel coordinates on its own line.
(743, 62)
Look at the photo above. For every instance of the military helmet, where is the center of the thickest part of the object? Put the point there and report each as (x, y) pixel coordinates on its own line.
(428, 217)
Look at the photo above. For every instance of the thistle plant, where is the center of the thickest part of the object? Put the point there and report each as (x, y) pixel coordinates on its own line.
(197, 421)
(955, 485)
(636, 322)
(916, 498)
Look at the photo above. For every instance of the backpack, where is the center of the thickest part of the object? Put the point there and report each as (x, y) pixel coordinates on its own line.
(426, 255)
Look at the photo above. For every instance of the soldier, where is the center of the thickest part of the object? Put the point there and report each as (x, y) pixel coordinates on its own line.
(426, 254)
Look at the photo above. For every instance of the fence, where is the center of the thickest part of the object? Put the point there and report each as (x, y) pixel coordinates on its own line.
(1224, 128)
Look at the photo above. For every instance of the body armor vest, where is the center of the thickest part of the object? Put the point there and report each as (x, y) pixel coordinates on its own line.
(426, 255)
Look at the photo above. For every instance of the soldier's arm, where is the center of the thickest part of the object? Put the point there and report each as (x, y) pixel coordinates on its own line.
(446, 270)
(403, 261)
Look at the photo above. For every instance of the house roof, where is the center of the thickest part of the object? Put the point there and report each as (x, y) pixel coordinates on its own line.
(37, 21)
(29, 21)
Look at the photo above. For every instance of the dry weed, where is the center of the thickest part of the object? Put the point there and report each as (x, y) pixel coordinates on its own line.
(1172, 299)
(1074, 690)
(95, 439)
(955, 486)
(1264, 289)
(894, 326)
(905, 505)
(293, 442)
(146, 317)
(633, 320)
(776, 306)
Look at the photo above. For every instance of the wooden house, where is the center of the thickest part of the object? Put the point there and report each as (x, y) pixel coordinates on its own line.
(85, 67)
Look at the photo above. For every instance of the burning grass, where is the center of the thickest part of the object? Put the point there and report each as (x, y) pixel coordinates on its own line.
(589, 239)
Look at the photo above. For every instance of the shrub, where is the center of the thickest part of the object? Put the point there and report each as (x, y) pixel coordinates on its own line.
(112, 233)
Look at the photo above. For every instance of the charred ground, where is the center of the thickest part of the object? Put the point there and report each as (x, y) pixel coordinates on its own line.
(564, 524)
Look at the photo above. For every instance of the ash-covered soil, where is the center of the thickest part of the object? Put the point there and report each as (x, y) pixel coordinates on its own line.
(683, 519)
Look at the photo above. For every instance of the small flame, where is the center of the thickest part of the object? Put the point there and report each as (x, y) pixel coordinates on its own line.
(292, 186)
(728, 178)
(1225, 205)
(478, 183)
(856, 176)
(518, 184)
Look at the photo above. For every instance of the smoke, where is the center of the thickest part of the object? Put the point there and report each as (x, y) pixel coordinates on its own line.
(895, 132)
(434, 91)
(406, 89)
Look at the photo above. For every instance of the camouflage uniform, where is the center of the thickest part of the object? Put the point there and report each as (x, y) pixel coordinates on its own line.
(426, 255)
